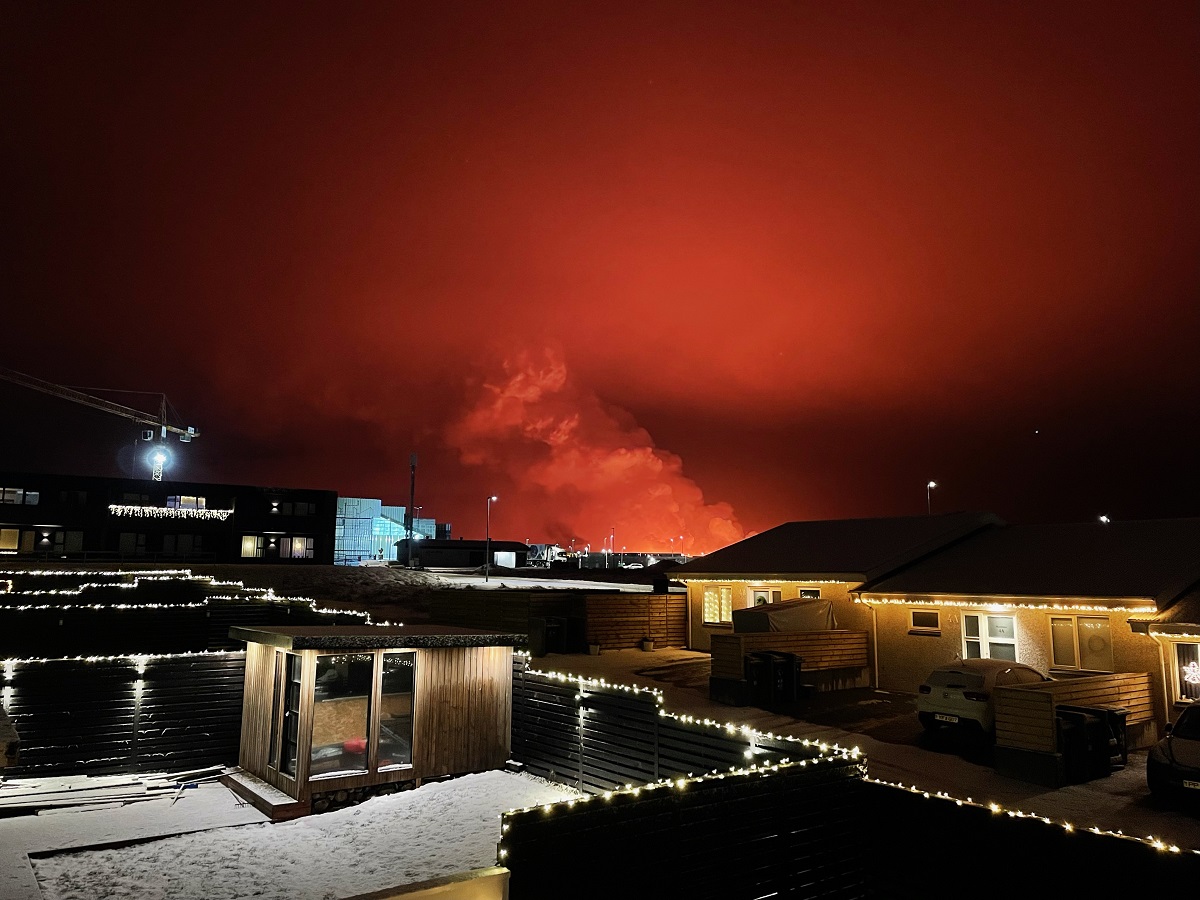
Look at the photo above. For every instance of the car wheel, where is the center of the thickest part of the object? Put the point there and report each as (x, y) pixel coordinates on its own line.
(928, 722)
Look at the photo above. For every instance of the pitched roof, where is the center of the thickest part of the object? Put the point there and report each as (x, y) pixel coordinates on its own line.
(1178, 616)
(848, 549)
(1155, 558)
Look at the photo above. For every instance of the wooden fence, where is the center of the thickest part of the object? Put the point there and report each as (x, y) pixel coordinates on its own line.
(733, 835)
(76, 716)
(568, 622)
(1025, 714)
(620, 621)
(829, 660)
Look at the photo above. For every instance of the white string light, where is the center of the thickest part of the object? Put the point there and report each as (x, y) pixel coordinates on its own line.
(968, 603)
(166, 512)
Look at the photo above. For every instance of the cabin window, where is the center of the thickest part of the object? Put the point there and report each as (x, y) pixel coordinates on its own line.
(925, 621)
(1081, 642)
(1187, 667)
(396, 711)
(341, 713)
(989, 637)
(718, 604)
(290, 726)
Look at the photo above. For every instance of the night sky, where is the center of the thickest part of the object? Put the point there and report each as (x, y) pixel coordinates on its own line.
(685, 269)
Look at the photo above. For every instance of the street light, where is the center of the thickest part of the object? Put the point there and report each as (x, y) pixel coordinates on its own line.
(1104, 520)
(487, 552)
(928, 503)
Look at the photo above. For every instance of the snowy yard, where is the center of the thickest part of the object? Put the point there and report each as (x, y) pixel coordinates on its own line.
(439, 829)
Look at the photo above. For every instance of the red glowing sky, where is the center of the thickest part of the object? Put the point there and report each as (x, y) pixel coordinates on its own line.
(675, 268)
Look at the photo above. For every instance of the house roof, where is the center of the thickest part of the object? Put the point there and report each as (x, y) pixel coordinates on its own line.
(842, 549)
(372, 637)
(1178, 616)
(1158, 558)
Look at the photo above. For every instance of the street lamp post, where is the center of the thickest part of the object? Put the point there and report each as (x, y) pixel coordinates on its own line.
(928, 502)
(487, 552)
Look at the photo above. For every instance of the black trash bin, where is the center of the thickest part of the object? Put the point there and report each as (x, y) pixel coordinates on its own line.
(785, 680)
(556, 634)
(1091, 740)
(757, 665)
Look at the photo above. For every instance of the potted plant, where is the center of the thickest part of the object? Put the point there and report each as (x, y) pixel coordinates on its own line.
(647, 643)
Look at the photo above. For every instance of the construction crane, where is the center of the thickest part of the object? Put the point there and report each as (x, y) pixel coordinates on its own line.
(159, 430)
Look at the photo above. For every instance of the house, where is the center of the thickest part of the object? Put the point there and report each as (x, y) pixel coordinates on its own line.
(76, 517)
(332, 714)
(463, 554)
(1075, 600)
(811, 560)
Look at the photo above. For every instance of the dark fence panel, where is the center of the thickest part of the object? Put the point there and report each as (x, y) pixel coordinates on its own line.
(103, 716)
(915, 842)
(789, 834)
(602, 738)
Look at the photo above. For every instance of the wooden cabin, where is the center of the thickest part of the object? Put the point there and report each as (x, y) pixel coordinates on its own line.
(334, 714)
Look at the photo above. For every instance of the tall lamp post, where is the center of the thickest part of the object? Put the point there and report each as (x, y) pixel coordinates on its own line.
(928, 502)
(487, 553)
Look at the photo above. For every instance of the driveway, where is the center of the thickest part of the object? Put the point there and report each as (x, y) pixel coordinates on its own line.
(884, 726)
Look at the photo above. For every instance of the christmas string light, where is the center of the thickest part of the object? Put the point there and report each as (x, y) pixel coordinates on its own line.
(166, 512)
(996, 809)
(995, 606)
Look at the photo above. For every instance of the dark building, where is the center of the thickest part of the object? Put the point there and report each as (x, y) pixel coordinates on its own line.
(462, 554)
(75, 517)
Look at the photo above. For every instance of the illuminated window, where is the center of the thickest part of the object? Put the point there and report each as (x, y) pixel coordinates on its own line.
(295, 548)
(763, 596)
(810, 593)
(989, 637)
(184, 501)
(926, 621)
(19, 496)
(1081, 642)
(718, 604)
(252, 546)
(1187, 668)
(9, 538)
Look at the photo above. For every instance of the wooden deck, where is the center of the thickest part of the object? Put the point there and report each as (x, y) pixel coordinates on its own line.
(270, 801)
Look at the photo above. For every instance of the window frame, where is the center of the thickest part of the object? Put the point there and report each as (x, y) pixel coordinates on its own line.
(914, 628)
(984, 637)
(1194, 650)
(1077, 665)
(723, 601)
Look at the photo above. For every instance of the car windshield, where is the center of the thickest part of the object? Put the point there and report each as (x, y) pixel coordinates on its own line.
(1188, 726)
(956, 677)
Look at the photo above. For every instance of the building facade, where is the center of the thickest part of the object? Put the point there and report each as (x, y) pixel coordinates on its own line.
(74, 517)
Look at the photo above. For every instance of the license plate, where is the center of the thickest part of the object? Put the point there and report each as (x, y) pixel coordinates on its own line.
(942, 717)
(1194, 785)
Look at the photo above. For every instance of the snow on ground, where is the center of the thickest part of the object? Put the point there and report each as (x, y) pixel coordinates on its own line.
(442, 828)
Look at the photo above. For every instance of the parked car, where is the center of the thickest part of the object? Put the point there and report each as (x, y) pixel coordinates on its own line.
(1173, 764)
(960, 693)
